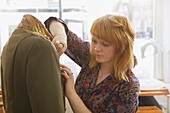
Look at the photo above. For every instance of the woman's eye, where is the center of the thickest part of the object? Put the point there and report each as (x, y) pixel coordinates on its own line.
(94, 41)
(105, 44)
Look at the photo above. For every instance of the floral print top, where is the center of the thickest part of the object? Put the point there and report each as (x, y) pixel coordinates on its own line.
(110, 95)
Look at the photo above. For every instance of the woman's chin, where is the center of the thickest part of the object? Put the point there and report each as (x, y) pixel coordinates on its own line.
(98, 60)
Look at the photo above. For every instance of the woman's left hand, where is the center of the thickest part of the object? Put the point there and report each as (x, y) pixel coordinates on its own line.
(69, 80)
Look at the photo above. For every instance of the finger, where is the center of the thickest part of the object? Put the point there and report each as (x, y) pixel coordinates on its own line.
(61, 44)
(63, 66)
(63, 70)
(61, 52)
(65, 75)
(54, 40)
(67, 71)
(58, 42)
(58, 45)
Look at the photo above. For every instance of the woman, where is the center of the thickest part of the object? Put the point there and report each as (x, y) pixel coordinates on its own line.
(105, 83)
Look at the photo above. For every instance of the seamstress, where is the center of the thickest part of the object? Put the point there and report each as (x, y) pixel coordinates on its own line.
(105, 83)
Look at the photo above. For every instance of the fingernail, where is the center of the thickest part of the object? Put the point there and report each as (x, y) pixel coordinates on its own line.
(57, 41)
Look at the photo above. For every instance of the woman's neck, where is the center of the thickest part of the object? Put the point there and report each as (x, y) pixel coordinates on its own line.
(106, 68)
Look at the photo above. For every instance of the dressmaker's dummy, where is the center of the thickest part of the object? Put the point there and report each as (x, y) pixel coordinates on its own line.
(31, 77)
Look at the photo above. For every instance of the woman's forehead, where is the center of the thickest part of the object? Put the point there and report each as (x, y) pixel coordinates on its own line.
(100, 39)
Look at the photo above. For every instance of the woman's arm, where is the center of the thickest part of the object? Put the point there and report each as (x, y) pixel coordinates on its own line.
(75, 101)
(77, 49)
(77, 104)
(60, 38)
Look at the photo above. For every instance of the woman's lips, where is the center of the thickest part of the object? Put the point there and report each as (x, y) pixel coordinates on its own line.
(98, 55)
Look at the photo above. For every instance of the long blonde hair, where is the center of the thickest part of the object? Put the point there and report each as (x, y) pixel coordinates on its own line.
(118, 31)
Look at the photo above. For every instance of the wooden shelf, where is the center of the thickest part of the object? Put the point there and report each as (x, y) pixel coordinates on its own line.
(163, 91)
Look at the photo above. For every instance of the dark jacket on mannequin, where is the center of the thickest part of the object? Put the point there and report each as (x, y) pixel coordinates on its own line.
(31, 76)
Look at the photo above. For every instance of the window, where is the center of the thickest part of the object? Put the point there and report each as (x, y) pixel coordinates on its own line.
(79, 14)
(140, 13)
(12, 11)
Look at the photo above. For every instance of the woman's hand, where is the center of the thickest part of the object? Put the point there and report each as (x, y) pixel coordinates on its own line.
(75, 101)
(69, 80)
(60, 44)
(60, 38)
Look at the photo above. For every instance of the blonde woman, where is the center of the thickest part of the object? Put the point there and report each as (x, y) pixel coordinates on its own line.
(105, 83)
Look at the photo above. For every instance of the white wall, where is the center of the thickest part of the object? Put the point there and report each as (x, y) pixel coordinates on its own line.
(162, 36)
(166, 39)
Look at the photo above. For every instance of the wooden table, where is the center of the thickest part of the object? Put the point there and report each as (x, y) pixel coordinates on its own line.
(163, 91)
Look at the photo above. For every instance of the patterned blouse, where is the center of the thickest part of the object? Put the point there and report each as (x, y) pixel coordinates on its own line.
(110, 95)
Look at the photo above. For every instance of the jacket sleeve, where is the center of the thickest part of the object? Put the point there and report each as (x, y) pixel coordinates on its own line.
(78, 50)
(44, 79)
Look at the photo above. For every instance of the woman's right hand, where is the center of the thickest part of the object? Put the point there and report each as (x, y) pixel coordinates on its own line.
(60, 44)
(69, 80)
(60, 38)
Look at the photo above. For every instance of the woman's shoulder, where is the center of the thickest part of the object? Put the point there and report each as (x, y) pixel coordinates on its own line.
(132, 80)
(131, 76)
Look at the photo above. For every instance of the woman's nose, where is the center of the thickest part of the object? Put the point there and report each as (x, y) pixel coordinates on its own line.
(97, 47)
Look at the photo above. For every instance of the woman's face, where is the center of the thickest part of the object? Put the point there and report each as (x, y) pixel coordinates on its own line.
(103, 51)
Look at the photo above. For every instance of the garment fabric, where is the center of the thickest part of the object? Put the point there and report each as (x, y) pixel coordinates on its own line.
(110, 95)
(30, 74)
(32, 25)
